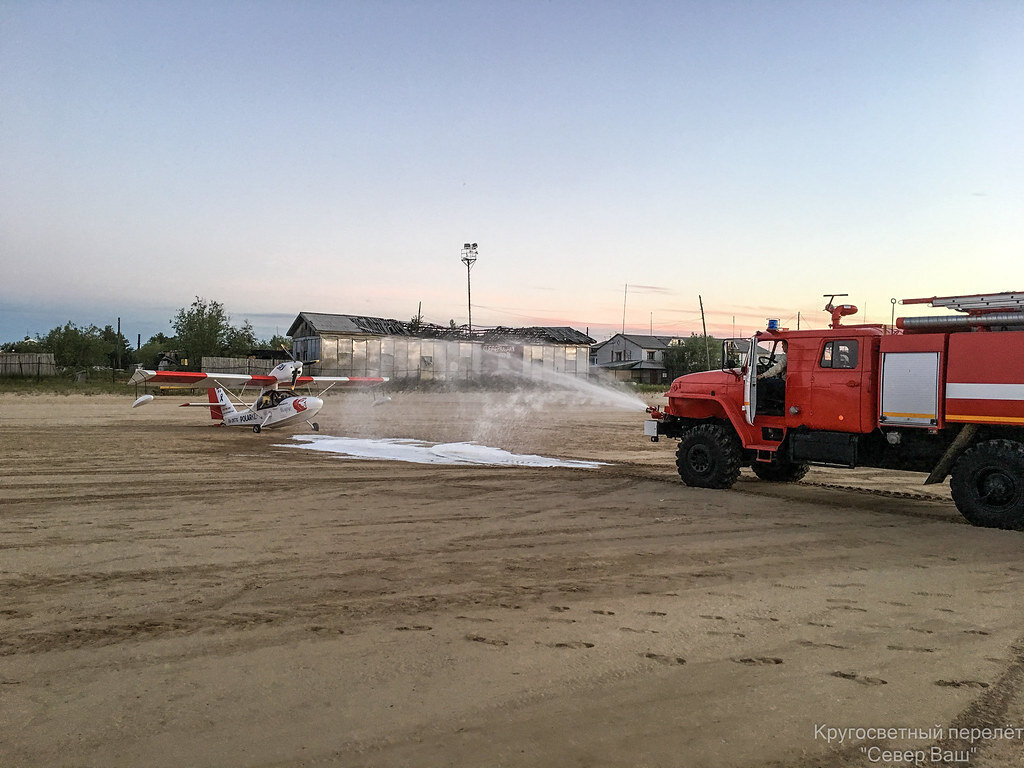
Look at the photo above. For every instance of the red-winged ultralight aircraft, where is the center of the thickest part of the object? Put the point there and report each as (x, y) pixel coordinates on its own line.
(274, 407)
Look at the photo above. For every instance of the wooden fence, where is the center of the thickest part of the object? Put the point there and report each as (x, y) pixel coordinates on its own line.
(247, 365)
(27, 364)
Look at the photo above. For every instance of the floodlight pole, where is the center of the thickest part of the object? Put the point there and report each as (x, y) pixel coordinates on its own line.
(469, 259)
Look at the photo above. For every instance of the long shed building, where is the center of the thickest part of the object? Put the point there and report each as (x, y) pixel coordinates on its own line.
(355, 345)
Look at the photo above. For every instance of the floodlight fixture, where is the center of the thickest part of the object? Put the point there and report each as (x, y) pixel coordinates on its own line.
(469, 259)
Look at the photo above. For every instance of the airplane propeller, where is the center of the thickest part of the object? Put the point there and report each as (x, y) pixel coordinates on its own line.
(297, 369)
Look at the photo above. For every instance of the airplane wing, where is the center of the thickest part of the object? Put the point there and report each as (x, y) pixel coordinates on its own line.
(340, 379)
(213, 405)
(198, 378)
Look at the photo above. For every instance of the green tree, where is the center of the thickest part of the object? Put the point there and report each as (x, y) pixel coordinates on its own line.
(203, 329)
(674, 360)
(26, 345)
(121, 354)
(690, 355)
(152, 351)
(240, 342)
(77, 347)
(276, 342)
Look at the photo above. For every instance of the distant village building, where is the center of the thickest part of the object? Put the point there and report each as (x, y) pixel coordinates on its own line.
(631, 357)
(355, 345)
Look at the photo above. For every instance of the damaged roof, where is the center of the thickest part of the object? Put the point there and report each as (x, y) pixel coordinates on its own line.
(377, 326)
(324, 323)
(540, 334)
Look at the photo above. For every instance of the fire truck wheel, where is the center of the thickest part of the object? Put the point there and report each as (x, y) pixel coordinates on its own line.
(780, 472)
(709, 456)
(988, 484)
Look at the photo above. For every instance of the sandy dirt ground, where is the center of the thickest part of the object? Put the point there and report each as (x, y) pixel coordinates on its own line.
(173, 593)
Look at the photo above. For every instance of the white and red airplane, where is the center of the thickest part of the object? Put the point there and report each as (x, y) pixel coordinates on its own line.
(274, 407)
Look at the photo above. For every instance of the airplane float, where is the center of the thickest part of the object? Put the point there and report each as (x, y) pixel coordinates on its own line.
(274, 407)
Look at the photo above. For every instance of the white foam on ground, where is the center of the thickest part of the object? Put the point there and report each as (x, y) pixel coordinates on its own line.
(421, 452)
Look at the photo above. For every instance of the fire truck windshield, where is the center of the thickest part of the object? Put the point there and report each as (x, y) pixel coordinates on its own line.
(735, 353)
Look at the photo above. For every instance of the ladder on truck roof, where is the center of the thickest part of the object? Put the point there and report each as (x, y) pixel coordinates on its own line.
(993, 311)
(978, 303)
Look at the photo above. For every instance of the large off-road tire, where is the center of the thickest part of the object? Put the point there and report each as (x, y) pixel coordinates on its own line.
(780, 471)
(988, 484)
(709, 456)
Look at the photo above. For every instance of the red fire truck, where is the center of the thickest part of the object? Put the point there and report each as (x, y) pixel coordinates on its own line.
(942, 395)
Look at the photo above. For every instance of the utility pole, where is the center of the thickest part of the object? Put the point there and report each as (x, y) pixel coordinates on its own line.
(116, 362)
(469, 259)
(707, 349)
(625, 292)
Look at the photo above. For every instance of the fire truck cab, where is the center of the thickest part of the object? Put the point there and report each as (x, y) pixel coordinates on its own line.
(942, 395)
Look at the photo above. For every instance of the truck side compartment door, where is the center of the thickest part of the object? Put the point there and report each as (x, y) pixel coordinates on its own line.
(910, 389)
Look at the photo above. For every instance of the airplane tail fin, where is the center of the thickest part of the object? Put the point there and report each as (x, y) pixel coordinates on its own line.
(223, 403)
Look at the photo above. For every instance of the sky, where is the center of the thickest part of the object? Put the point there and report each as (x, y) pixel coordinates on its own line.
(614, 161)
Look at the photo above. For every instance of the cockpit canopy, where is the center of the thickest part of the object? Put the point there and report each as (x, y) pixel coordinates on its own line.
(274, 398)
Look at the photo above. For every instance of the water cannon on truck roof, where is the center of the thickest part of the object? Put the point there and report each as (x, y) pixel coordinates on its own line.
(843, 310)
(941, 395)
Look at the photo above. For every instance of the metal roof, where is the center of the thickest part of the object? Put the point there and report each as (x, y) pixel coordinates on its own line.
(325, 323)
(647, 342)
(650, 365)
(635, 365)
